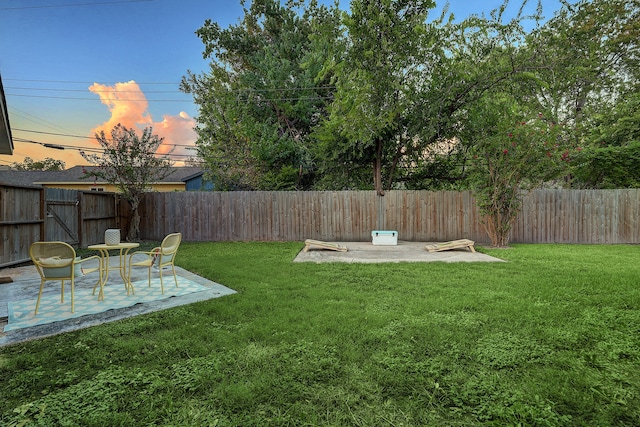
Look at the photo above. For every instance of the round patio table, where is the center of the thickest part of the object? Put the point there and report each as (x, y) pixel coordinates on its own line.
(103, 248)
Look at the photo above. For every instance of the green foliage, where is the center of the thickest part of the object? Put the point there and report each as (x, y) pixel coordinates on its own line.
(611, 159)
(513, 153)
(262, 95)
(473, 67)
(608, 167)
(569, 70)
(547, 338)
(366, 99)
(440, 171)
(585, 58)
(375, 77)
(48, 164)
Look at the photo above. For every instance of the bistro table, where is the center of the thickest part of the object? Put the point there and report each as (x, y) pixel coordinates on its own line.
(103, 248)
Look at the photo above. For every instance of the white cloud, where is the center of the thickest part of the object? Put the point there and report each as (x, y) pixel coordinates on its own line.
(129, 106)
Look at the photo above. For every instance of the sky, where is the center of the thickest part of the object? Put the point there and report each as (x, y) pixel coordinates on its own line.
(71, 68)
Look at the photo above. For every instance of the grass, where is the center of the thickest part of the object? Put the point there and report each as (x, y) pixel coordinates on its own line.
(549, 338)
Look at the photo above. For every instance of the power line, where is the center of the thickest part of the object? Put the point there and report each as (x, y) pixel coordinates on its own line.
(250, 90)
(53, 133)
(96, 99)
(85, 137)
(74, 4)
(57, 146)
(90, 150)
(93, 91)
(32, 118)
(84, 82)
(74, 98)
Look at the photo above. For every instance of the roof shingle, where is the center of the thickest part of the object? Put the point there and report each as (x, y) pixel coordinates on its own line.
(76, 175)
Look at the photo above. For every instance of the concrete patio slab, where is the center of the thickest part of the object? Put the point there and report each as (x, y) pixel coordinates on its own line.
(366, 252)
(26, 281)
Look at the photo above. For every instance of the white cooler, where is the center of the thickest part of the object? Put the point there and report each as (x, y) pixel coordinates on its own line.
(384, 237)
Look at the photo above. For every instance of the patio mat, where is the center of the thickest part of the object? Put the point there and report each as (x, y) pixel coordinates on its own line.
(51, 310)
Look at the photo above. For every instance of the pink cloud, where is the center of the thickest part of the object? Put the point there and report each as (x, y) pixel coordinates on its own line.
(129, 106)
(178, 133)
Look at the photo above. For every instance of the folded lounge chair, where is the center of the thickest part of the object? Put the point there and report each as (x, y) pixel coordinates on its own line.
(455, 244)
(324, 245)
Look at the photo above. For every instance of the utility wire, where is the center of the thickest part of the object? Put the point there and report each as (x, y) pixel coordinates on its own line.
(82, 149)
(276, 89)
(242, 91)
(73, 4)
(84, 137)
(83, 82)
(96, 99)
(39, 120)
(57, 146)
(53, 133)
(72, 98)
(93, 91)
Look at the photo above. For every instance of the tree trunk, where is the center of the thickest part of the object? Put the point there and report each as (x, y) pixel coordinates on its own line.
(377, 169)
(134, 226)
(498, 222)
(134, 222)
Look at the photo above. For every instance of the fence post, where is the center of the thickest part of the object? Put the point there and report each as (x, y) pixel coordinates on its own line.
(79, 205)
(381, 212)
(43, 214)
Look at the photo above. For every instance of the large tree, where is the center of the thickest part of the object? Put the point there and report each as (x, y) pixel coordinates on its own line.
(261, 97)
(404, 88)
(376, 76)
(131, 163)
(587, 69)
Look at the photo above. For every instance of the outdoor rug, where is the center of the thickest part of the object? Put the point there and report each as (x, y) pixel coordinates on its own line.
(21, 313)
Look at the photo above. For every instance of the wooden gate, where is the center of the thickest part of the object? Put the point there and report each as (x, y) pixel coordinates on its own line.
(79, 217)
(61, 209)
(30, 214)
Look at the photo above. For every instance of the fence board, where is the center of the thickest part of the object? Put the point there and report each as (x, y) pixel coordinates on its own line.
(21, 222)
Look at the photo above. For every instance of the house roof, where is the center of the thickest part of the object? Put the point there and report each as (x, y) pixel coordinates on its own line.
(6, 142)
(76, 175)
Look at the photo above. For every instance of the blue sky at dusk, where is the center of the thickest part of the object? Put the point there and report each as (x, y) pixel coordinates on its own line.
(73, 67)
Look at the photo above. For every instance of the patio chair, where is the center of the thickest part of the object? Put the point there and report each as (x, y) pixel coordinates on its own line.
(58, 261)
(162, 256)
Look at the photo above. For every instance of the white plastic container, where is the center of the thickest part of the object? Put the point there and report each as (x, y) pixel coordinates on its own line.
(384, 237)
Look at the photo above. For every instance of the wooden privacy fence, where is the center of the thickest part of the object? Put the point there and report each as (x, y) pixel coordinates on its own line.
(30, 214)
(548, 216)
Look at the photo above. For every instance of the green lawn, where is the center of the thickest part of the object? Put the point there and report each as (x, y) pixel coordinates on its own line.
(549, 338)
